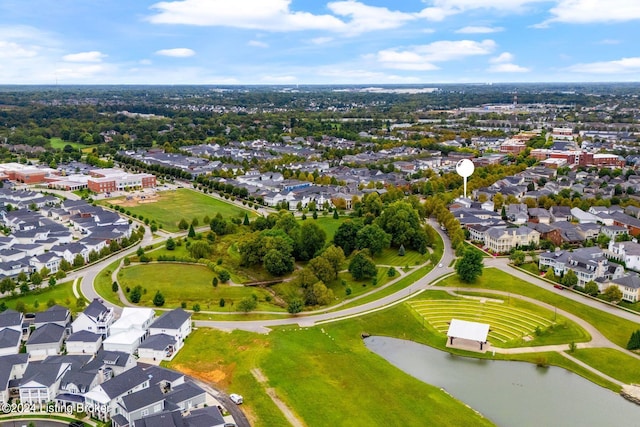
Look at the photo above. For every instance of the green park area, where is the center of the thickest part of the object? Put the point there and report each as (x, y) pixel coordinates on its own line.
(59, 144)
(190, 284)
(168, 208)
(43, 298)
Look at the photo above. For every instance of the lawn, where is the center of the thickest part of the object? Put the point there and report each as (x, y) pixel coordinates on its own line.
(411, 258)
(59, 144)
(103, 283)
(189, 283)
(169, 207)
(34, 301)
(612, 362)
(616, 329)
(337, 381)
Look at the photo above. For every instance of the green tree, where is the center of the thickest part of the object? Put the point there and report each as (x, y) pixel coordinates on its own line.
(374, 238)
(402, 221)
(311, 239)
(21, 307)
(323, 269)
(135, 295)
(569, 279)
(158, 299)
(362, 267)
(114, 286)
(200, 249)
(214, 282)
(7, 285)
(345, 236)
(551, 275)
(246, 219)
(517, 257)
(219, 225)
(170, 244)
(612, 294)
(52, 281)
(295, 306)
(591, 288)
(36, 278)
(335, 214)
(318, 294)
(65, 265)
(470, 266)
(401, 250)
(192, 232)
(247, 304)
(335, 256)
(224, 276)
(278, 263)
(634, 341)
(183, 224)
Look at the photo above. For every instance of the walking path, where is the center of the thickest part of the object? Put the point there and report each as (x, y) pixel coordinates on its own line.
(293, 419)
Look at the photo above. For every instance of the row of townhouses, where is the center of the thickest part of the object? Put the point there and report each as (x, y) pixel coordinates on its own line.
(88, 363)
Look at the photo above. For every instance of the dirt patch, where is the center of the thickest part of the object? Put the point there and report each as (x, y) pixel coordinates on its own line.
(130, 201)
(215, 376)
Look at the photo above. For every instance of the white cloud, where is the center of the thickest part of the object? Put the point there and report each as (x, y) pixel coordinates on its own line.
(321, 40)
(590, 11)
(441, 9)
(368, 18)
(276, 15)
(503, 63)
(502, 58)
(257, 43)
(620, 66)
(423, 57)
(145, 62)
(179, 52)
(609, 42)
(479, 30)
(507, 68)
(9, 49)
(93, 56)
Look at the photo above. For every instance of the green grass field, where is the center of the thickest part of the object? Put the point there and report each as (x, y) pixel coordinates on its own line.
(61, 294)
(411, 258)
(337, 381)
(103, 282)
(59, 144)
(189, 283)
(612, 362)
(172, 206)
(327, 223)
(616, 329)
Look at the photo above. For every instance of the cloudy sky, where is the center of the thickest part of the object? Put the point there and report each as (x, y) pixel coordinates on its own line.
(317, 41)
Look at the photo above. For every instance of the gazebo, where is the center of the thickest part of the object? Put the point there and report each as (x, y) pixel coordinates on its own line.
(472, 331)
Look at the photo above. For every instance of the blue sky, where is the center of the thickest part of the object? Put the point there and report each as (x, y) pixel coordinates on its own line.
(317, 41)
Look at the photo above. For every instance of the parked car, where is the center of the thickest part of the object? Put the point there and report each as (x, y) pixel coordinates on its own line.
(236, 398)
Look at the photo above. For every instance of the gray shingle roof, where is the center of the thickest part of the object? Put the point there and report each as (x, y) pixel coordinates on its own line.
(124, 382)
(158, 342)
(10, 318)
(171, 319)
(42, 373)
(184, 392)
(56, 313)
(94, 309)
(142, 399)
(83, 336)
(46, 334)
(631, 281)
(9, 338)
(164, 419)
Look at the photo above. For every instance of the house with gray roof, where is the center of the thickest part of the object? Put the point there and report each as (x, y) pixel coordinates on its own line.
(96, 318)
(629, 285)
(158, 347)
(10, 341)
(627, 252)
(144, 403)
(186, 396)
(175, 323)
(83, 342)
(47, 260)
(45, 340)
(41, 382)
(614, 231)
(11, 319)
(56, 314)
(104, 398)
(503, 240)
(589, 264)
(560, 213)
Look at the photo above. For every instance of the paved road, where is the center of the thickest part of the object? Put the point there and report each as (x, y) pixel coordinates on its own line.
(309, 320)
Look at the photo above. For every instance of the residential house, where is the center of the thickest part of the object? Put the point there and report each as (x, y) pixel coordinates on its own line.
(626, 252)
(12, 368)
(96, 318)
(614, 231)
(175, 323)
(560, 213)
(539, 215)
(47, 260)
(103, 400)
(130, 330)
(83, 342)
(503, 240)
(583, 217)
(629, 285)
(11, 319)
(632, 224)
(56, 314)
(10, 340)
(45, 340)
(141, 404)
(589, 264)
(41, 382)
(547, 232)
(517, 213)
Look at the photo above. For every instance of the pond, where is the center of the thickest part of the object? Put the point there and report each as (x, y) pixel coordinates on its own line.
(510, 393)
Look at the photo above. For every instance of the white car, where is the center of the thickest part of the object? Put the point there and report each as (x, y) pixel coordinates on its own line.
(440, 265)
(235, 398)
